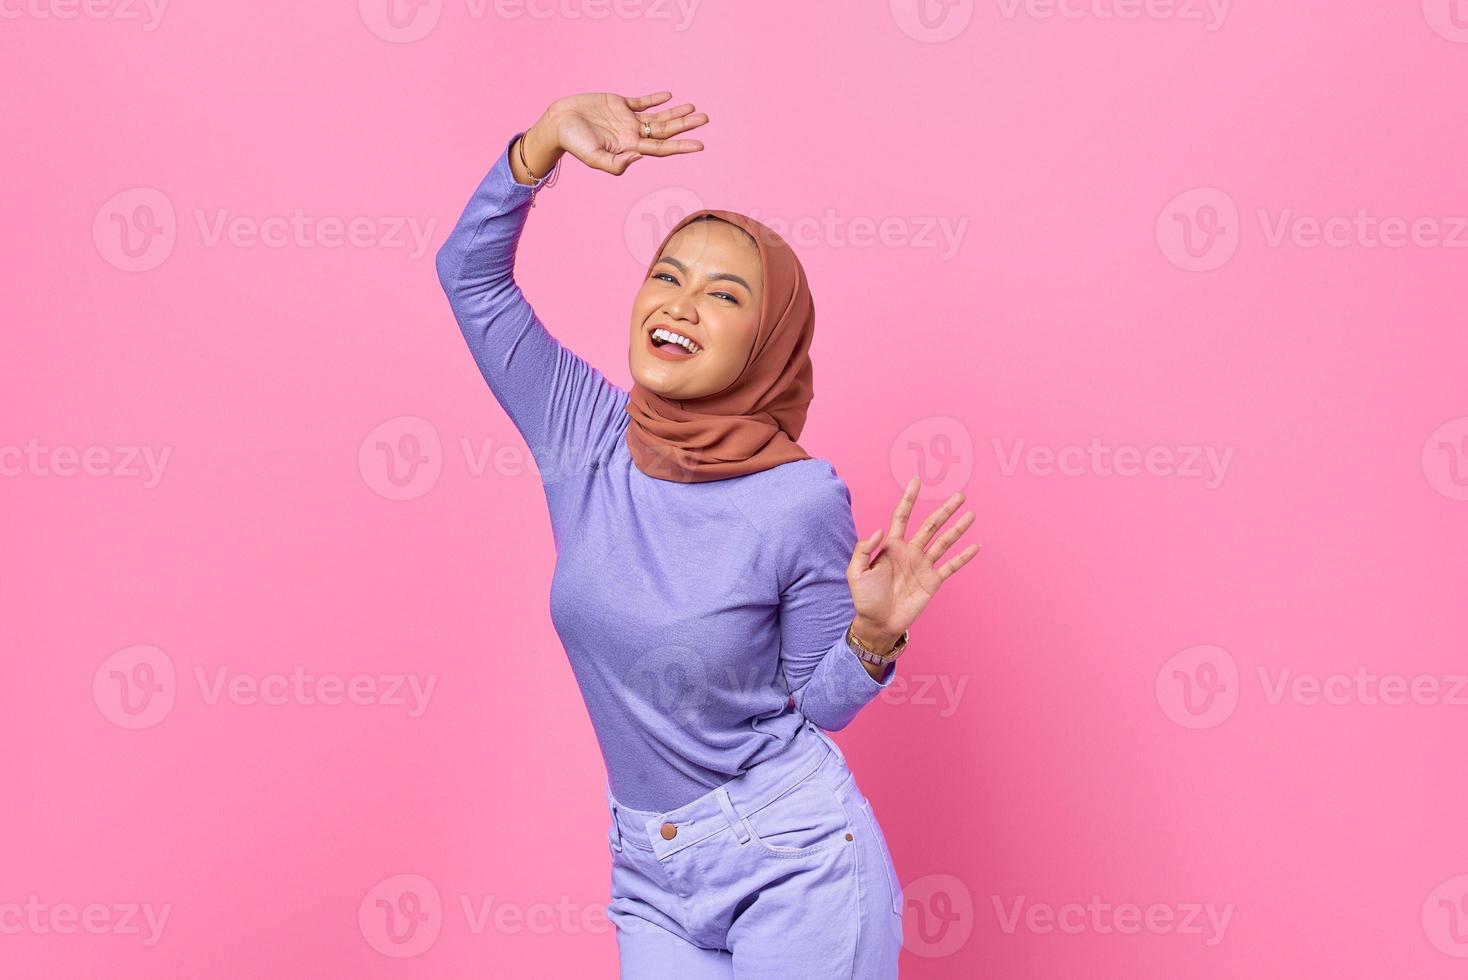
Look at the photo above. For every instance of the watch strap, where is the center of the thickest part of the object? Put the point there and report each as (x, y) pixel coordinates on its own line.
(870, 656)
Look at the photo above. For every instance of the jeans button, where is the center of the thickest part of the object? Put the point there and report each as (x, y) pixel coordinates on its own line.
(669, 831)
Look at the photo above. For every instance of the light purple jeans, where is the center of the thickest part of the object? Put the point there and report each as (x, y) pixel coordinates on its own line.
(780, 872)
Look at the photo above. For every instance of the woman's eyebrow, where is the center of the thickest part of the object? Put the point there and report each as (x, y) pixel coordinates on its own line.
(711, 276)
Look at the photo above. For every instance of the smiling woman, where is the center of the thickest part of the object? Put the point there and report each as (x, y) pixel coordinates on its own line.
(705, 288)
(714, 602)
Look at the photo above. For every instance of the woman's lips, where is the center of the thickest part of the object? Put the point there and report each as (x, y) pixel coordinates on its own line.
(668, 352)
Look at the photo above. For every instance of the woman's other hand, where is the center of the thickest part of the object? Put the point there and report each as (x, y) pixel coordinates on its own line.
(890, 591)
(604, 131)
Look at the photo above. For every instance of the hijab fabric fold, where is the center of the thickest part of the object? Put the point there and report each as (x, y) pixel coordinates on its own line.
(754, 423)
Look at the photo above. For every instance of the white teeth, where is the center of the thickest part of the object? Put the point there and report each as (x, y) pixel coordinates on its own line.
(688, 345)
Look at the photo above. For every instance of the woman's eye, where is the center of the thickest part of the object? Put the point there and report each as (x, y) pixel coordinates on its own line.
(668, 277)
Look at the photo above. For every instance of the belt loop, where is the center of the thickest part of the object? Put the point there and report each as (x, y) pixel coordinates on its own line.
(730, 815)
(616, 823)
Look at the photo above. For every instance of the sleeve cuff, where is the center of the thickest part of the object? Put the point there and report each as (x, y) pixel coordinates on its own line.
(841, 687)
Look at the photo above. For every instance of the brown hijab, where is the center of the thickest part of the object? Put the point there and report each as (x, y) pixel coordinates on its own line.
(751, 425)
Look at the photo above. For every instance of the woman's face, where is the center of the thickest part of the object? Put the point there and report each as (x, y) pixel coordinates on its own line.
(707, 287)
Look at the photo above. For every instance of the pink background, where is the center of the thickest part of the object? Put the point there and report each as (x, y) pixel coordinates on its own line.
(1093, 706)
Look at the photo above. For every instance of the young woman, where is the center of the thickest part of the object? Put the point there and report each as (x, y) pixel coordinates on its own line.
(717, 609)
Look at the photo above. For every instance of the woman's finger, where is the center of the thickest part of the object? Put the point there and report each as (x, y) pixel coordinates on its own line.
(639, 102)
(666, 114)
(904, 510)
(667, 148)
(861, 557)
(935, 520)
(949, 567)
(946, 539)
(672, 127)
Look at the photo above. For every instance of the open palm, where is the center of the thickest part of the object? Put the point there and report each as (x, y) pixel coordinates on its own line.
(605, 130)
(890, 591)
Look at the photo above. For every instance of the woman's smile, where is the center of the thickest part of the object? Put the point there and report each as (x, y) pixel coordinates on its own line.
(660, 342)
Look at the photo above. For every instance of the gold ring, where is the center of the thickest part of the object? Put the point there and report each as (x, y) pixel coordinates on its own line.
(646, 129)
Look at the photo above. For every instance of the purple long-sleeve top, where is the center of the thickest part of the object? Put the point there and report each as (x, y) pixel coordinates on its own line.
(704, 622)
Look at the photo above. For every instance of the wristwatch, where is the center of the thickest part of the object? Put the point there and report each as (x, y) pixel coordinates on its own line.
(871, 657)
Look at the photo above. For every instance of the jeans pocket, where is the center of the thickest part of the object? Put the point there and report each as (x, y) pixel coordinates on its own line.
(894, 890)
(807, 818)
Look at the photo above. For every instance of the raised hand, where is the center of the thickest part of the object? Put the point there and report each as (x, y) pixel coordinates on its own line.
(890, 591)
(605, 131)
